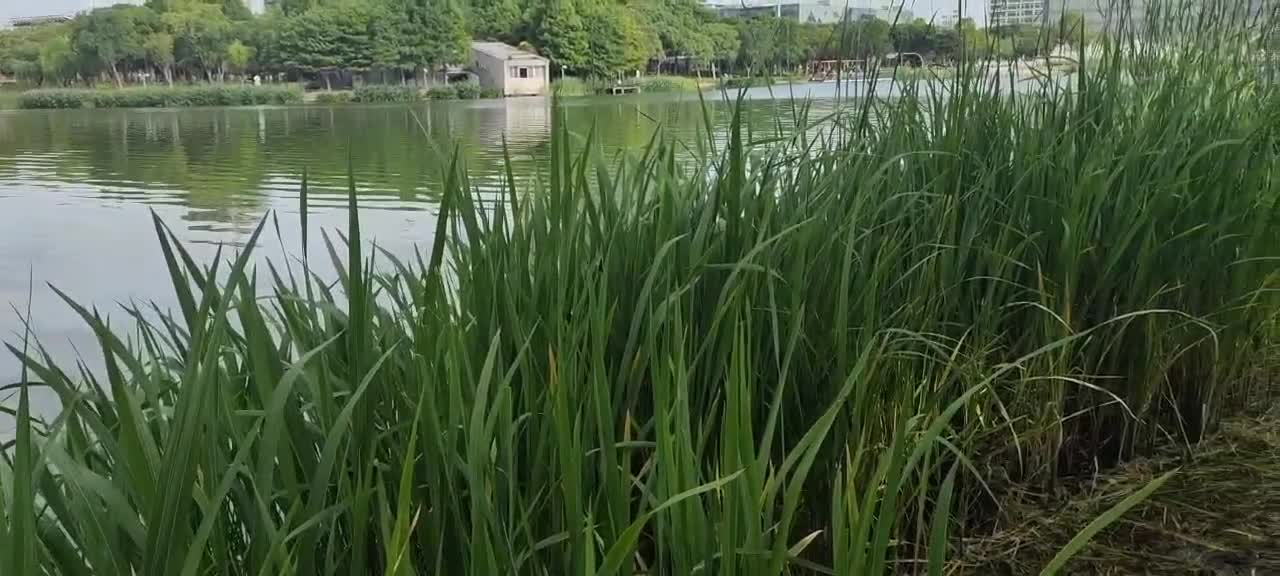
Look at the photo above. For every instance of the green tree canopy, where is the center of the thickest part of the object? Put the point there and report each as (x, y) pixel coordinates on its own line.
(110, 36)
(236, 10)
(158, 48)
(604, 38)
(680, 24)
(429, 33)
(239, 56)
(201, 34)
(20, 49)
(57, 60)
(562, 35)
(494, 19)
(617, 41)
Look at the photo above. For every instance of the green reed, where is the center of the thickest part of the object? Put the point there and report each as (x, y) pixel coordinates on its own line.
(803, 354)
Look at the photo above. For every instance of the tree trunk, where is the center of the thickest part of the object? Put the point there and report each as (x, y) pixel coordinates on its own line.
(328, 84)
(168, 76)
(115, 74)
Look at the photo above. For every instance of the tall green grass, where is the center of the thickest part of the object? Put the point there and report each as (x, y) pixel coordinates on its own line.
(798, 354)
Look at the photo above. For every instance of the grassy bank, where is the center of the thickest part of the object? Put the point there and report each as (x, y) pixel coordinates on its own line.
(1219, 515)
(160, 97)
(812, 354)
(669, 84)
(648, 85)
(384, 94)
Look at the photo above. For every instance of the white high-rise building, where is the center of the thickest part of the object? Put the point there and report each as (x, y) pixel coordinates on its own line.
(1015, 12)
(812, 11)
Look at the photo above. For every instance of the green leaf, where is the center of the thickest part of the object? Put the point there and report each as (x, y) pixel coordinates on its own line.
(1082, 538)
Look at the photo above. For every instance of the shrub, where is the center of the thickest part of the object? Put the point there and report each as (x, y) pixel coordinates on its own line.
(667, 84)
(161, 97)
(384, 94)
(572, 87)
(467, 90)
(490, 92)
(51, 99)
(737, 82)
(442, 93)
(342, 97)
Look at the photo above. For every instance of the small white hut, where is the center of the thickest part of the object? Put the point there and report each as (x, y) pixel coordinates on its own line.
(510, 69)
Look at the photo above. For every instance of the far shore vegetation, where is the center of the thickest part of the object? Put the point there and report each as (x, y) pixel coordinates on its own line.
(332, 44)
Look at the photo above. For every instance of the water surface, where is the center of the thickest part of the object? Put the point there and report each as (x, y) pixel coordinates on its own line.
(77, 188)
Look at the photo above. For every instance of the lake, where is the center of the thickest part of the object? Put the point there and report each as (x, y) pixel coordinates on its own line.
(77, 187)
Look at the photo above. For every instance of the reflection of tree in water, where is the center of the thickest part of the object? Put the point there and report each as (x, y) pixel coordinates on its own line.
(37, 147)
(224, 164)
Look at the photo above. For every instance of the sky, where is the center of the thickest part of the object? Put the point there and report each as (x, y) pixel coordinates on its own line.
(23, 8)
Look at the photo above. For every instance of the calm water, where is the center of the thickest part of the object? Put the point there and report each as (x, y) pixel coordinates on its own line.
(77, 187)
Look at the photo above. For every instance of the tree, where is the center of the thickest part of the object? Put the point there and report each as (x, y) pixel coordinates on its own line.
(236, 10)
(57, 60)
(109, 36)
(911, 36)
(792, 45)
(329, 38)
(944, 43)
(430, 33)
(606, 43)
(680, 24)
(296, 7)
(238, 57)
(974, 40)
(158, 48)
(446, 39)
(1027, 41)
(758, 44)
(1071, 29)
(869, 38)
(263, 35)
(561, 34)
(494, 19)
(617, 41)
(309, 43)
(20, 50)
(201, 34)
(641, 39)
(724, 41)
(385, 40)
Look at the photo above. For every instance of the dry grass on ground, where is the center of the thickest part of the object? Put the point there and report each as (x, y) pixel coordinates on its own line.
(1219, 515)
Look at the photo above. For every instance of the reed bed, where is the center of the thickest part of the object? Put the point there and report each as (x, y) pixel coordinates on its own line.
(816, 353)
